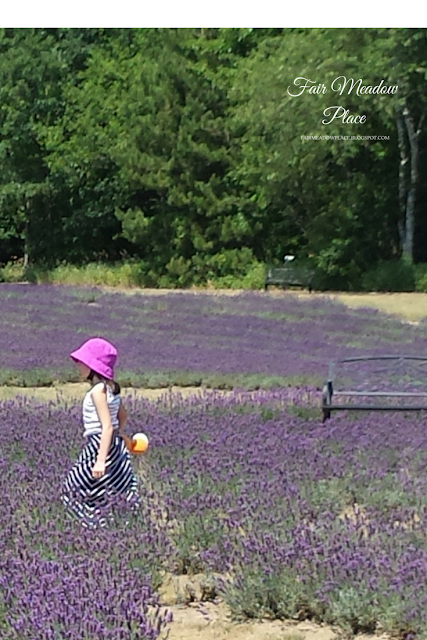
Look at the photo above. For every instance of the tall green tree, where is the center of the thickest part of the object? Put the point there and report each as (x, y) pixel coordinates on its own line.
(331, 198)
(35, 66)
(29, 80)
(407, 50)
(155, 111)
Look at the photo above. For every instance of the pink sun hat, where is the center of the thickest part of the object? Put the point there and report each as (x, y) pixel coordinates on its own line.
(99, 355)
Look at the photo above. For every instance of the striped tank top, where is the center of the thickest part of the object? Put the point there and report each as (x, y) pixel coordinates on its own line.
(91, 422)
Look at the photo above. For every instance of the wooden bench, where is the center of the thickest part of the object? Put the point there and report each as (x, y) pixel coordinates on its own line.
(290, 276)
(403, 383)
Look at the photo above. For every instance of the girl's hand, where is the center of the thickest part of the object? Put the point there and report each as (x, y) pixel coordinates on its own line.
(128, 441)
(98, 469)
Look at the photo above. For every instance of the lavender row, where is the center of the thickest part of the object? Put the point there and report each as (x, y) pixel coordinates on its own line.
(252, 333)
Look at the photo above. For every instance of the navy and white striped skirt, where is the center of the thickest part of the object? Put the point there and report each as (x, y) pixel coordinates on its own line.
(87, 497)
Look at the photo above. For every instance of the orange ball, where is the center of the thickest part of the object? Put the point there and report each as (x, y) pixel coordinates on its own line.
(139, 443)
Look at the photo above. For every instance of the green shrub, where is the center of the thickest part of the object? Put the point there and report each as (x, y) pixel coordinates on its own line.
(324, 281)
(228, 269)
(127, 274)
(13, 271)
(280, 596)
(389, 276)
(421, 277)
(354, 609)
(253, 279)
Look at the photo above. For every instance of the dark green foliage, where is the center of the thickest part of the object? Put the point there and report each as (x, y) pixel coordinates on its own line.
(181, 150)
(390, 276)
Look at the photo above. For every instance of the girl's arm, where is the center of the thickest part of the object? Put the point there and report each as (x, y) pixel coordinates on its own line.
(100, 401)
(122, 416)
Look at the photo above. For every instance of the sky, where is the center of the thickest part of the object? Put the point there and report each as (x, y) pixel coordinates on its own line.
(221, 13)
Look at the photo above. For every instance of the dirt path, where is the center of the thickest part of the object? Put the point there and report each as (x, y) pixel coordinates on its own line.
(211, 622)
(407, 306)
(208, 621)
(76, 391)
(411, 307)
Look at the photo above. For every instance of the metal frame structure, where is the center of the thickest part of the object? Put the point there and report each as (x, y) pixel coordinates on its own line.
(394, 364)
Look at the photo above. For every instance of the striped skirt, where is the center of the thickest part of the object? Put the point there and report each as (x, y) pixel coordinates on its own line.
(88, 498)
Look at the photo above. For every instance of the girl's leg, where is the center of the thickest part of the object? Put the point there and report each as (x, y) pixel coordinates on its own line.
(82, 494)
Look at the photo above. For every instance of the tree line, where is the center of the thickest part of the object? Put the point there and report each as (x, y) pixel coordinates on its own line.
(188, 151)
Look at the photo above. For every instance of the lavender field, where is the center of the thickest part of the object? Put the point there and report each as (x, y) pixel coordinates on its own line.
(290, 517)
(251, 340)
(301, 520)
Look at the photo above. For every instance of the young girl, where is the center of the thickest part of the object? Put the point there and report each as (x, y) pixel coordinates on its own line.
(104, 467)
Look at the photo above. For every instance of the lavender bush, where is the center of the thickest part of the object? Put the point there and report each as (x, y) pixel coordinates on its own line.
(57, 580)
(301, 519)
(251, 340)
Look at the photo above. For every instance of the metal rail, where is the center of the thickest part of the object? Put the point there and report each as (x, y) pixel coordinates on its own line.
(406, 364)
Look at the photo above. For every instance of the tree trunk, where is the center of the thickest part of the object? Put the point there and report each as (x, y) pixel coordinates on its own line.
(402, 179)
(413, 137)
(26, 235)
(408, 187)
